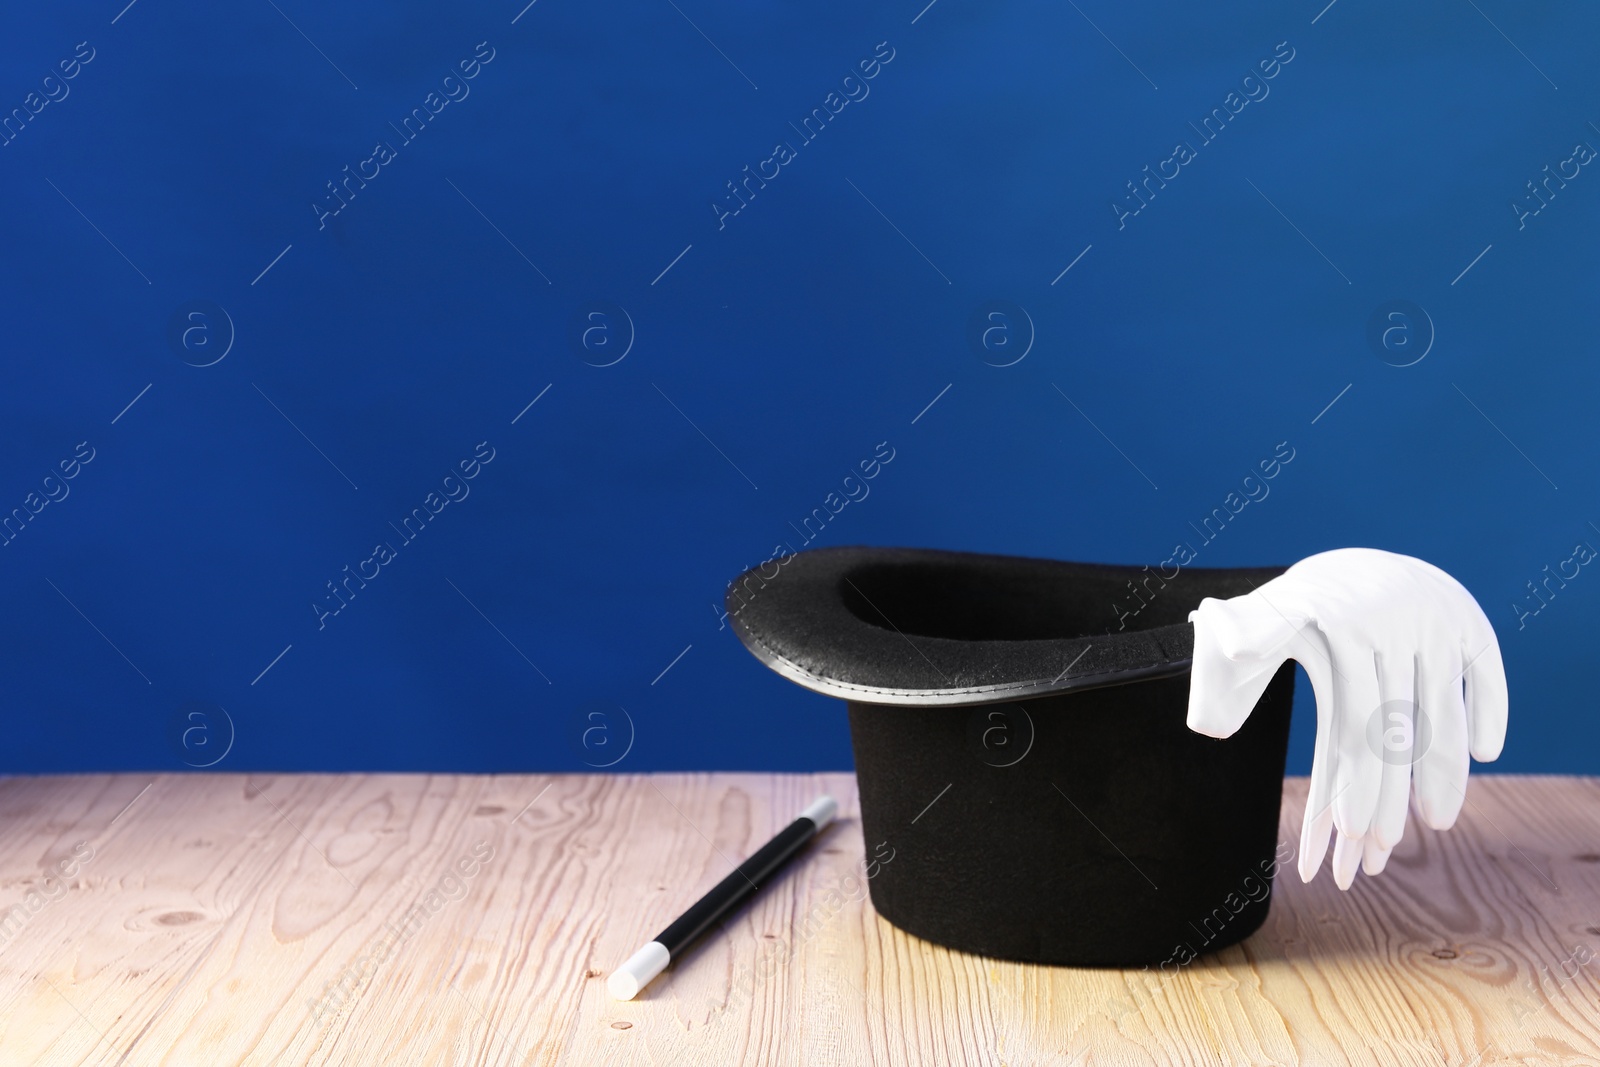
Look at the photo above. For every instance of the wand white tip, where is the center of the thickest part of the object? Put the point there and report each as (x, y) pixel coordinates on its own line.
(626, 981)
(821, 811)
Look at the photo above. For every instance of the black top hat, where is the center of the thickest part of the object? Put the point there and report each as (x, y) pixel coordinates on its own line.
(1021, 749)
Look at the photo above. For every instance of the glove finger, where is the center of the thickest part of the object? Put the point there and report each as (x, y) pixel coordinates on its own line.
(1441, 768)
(1358, 771)
(1317, 823)
(1346, 858)
(1486, 699)
(1374, 857)
(1395, 734)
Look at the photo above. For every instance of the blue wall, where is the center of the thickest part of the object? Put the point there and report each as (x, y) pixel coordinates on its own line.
(171, 207)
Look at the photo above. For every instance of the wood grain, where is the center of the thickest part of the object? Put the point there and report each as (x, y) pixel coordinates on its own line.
(407, 919)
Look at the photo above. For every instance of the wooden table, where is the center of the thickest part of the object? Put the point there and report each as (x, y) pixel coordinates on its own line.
(405, 919)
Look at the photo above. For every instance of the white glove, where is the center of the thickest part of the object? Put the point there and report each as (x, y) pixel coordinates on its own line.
(1405, 668)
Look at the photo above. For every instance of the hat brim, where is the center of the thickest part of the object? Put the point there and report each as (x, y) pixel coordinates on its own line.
(922, 627)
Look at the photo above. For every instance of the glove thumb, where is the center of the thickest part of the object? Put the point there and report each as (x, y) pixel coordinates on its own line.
(1239, 644)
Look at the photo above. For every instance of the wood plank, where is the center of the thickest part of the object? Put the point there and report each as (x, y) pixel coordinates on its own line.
(289, 919)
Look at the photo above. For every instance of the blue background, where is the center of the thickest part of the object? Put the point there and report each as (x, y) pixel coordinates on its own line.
(768, 356)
